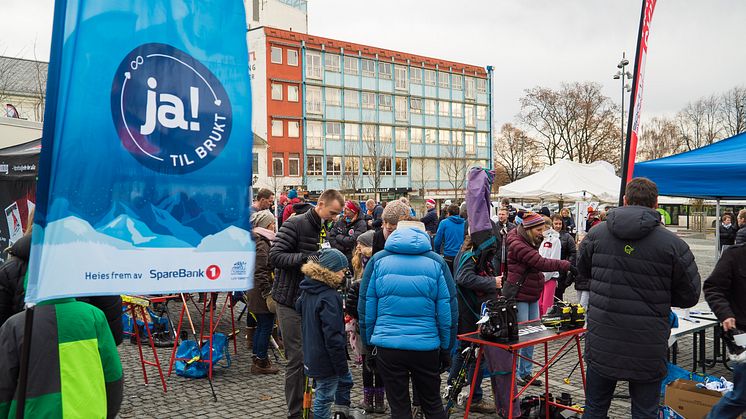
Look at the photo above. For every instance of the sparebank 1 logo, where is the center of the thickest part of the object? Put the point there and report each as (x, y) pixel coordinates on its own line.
(171, 113)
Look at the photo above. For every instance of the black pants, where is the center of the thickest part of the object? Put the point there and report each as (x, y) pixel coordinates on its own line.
(396, 366)
(449, 262)
(645, 397)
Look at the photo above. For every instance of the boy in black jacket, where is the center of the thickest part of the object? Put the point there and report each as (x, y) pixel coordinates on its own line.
(324, 345)
(725, 292)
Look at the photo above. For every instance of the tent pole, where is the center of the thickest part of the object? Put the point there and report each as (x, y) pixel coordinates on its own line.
(717, 229)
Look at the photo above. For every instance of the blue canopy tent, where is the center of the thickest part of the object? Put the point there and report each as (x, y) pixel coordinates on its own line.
(715, 171)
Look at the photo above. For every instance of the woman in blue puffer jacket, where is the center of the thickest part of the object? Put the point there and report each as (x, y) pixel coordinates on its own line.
(408, 311)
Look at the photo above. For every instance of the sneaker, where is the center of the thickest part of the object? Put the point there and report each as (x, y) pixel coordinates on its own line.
(482, 406)
(526, 378)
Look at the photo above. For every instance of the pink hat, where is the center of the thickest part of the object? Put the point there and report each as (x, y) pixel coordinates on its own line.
(431, 202)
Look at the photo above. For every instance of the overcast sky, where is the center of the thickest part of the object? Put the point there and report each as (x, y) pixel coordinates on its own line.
(696, 48)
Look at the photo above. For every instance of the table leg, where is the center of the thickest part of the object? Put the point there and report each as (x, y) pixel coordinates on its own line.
(546, 379)
(674, 352)
(233, 326)
(702, 352)
(176, 340)
(473, 385)
(580, 360)
(138, 339)
(512, 384)
(157, 363)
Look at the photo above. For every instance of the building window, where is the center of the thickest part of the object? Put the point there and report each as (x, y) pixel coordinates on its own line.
(313, 99)
(401, 139)
(333, 96)
(292, 93)
(352, 99)
(277, 128)
(352, 131)
(415, 105)
(402, 166)
(469, 138)
(444, 136)
(443, 79)
(482, 113)
(482, 139)
(401, 78)
(313, 135)
(444, 108)
(430, 77)
(401, 108)
(369, 133)
(352, 165)
(276, 55)
(457, 110)
(382, 165)
(333, 166)
(278, 164)
(482, 85)
(369, 100)
(293, 57)
(385, 165)
(350, 65)
(293, 129)
(384, 102)
(315, 165)
(276, 91)
(254, 163)
(431, 136)
(384, 70)
(458, 137)
(469, 115)
(469, 91)
(313, 65)
(369, 68)
(384, 134)
(333, 130)
(332, 62)
(415, 135)
(458, 81)
(294, 164)
(429, 107)
(415, 75)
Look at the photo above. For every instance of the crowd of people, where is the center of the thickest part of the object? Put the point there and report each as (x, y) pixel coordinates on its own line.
(374, 283)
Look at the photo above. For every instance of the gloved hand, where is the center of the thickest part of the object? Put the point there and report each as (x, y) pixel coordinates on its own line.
(444, 360)
(573, 271)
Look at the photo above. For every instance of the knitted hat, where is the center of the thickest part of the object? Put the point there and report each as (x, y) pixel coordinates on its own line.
(545, 211)
(395, 211)
(532, 219)
(292, 194)
(262, 219)
(352, 207)
(366, 239)
(333, 259)
(431, 202)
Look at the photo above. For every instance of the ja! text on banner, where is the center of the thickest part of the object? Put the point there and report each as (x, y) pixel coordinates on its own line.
(146, 154)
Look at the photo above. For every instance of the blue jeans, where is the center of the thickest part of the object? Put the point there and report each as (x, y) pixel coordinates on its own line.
(264, 324)
(526, 312)
(733, 403)
(331, 390)
(457, 362)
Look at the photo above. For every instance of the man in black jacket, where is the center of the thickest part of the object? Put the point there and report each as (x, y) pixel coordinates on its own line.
(638, 270)
(725, 292)
(12, 290)
(741, 234)
(431, 217)
(300, 239)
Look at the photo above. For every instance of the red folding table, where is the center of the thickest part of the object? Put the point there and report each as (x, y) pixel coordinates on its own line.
(570, 338)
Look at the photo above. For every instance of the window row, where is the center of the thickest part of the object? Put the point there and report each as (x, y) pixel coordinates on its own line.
(335, 166)
(389, 71)
(276, 55)
(278, 89)
(386, 102)
(278, 164)
(278, 128)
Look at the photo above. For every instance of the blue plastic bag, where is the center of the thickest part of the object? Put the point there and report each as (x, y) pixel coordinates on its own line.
(189, 355)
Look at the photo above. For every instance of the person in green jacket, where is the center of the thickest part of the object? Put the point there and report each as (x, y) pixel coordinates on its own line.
(74, 367)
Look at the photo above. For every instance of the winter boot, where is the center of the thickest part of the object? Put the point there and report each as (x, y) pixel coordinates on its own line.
(340, 412)
(379, 403)
(367, 403)
(263, 366)
(250, 337)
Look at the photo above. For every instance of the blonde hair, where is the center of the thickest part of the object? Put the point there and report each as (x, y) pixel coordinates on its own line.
(357, 260)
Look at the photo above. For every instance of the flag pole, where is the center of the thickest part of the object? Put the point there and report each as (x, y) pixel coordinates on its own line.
(630, 115)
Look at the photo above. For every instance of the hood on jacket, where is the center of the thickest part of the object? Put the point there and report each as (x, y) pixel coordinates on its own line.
(408, 241)
(21, 248)
(318, 278)
(632, 222)
(456, 219)
(302, 207)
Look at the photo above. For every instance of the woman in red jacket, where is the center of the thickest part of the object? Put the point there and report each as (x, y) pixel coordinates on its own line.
(525, 267)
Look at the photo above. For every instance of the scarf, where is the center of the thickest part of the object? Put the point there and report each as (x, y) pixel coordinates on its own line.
(267, 234)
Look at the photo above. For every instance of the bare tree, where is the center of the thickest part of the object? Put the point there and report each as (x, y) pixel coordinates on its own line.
(456, 166)
(576, 122)
(8, 67)
(659, 138)
(515, 152)
(698, 123)
(350, 180)
(732, 112)
(376, 159)
(420, 175)
(40, 84)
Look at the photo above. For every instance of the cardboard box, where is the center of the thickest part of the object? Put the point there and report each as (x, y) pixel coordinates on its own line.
(686, 399)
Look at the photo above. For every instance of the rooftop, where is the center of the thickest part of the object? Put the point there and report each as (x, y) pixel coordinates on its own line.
(21, 76)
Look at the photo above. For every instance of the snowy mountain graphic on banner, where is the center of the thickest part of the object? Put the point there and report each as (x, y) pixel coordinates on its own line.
(136, 232)
(155, 221)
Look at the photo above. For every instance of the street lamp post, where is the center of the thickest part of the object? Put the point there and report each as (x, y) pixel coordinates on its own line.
(623, 75)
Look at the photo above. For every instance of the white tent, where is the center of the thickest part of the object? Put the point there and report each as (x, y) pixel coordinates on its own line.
(567, 181)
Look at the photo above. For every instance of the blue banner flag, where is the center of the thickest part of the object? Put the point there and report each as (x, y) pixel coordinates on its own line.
(145, 169)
